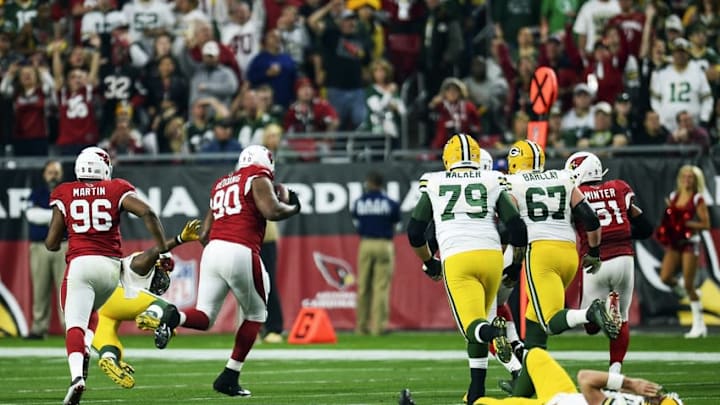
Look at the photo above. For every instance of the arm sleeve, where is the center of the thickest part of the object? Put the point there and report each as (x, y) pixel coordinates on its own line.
(640, 227)
(587, 216)
(419, 220)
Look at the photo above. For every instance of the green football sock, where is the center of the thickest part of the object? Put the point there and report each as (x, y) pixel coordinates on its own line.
(558, 323)
(535, 336)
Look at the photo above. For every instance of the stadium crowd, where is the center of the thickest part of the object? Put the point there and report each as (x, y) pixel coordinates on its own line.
(150, 76)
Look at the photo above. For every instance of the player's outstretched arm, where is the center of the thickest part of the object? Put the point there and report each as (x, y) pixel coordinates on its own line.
(587, 216)
(56, 231)
(267, 203)
(152, 222)
(143, 263)
(640, 227)
(592, 382)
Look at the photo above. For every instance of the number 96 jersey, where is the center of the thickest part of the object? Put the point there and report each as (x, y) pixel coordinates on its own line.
(91, 211)
(463, 205)
(543, 200)
(235, 217)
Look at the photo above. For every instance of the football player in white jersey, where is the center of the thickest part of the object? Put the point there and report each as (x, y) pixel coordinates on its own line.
(463, 201)
(547, 201)
(148, 18)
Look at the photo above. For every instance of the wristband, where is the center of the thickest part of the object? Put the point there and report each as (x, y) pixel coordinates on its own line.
(178, 240)
(614, 381)
(594, 251)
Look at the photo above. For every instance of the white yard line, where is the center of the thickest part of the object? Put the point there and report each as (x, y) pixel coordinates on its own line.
(320, 354)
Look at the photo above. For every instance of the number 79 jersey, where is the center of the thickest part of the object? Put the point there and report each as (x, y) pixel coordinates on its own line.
(543, 200)
(236, 218)
(463, 205)
(91, 211)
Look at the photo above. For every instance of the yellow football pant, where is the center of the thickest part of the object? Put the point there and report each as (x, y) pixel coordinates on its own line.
(472, 280)
(548, 377)
(114, 311)
(550, 266)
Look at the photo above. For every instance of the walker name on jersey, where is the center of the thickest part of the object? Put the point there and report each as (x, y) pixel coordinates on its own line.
(463, 175)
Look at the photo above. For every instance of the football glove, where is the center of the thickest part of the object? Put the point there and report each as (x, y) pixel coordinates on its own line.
(293, 199)
(190, 232)
(433, 268)
(511, 274)
(591, 263)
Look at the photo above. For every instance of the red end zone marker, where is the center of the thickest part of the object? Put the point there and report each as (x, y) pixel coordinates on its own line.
(543, 93)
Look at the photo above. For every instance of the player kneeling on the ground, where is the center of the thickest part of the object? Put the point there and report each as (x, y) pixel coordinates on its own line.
(145, 276)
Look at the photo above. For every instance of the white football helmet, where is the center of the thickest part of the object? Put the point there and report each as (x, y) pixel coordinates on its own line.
(486, 160)
(585, 167)
(93, 163)
(256, 155)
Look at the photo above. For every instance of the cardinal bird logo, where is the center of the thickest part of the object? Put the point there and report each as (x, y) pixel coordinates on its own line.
(337, 272)
(575, 163)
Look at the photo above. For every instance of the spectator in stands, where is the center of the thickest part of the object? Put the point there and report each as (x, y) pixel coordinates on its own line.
(681, 86)
(442, 44)
(455, 113)
(404, 30)
(687, 133)
(166, 88)
(607, 65)
(674, 29)
(47, 268)
(577, 122)
(520, 86)
(216, 10)
(190, 52)
(630, 22)
(555, 54)
(18, 16)
(243, 32)
(344, 55)
(706, 57)
(124, 138)
(706, 12)
(512, 16)
(525, 45)
(555, 16)
(77, 122)
(203, 114)
(223, 139)
(652, 58)
(100, 19)
(309, 113)
(174, 136)
(623, 120)
(602, 134)
(148, 18)
(652, 132)
(274, 67)
(519, 128)
(266, 102)
(251, 119)
(369, 25)
(8, 55)
(554, 135)
(273, 10)
(187, 13)
(383, 104)
(488, 90)
(591, 20)
(212, 79)
(31, 90)
(294, 37)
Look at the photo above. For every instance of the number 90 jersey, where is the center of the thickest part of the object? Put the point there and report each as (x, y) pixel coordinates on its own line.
(235, 217)
(463, 205)
(91, 211)
(543, 200)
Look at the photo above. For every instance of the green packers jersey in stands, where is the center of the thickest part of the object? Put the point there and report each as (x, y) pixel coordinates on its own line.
(543, 200)
(463, 205)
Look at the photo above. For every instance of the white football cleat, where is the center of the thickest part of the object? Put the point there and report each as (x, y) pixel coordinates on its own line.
(697, 332)
(75, 392)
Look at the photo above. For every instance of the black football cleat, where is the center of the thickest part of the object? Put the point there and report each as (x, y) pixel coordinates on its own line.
(227, 383)
(77, 387)
(598, 315)
(166, 329)
(406, 398)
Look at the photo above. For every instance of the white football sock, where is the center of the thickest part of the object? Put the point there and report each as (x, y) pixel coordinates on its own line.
(234, 365)
(576, 317)
(183, 318)
(512, 334)
(75, 361)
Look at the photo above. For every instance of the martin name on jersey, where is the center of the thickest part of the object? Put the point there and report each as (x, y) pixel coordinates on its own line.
(463, 205)
(543, 200)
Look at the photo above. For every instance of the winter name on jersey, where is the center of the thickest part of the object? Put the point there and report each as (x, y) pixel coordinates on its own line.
(463, 175)
(540, 176)
(600, 194)
(88, 191)
(227, 181)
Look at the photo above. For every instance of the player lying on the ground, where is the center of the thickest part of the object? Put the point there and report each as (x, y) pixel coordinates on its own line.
(144, 278)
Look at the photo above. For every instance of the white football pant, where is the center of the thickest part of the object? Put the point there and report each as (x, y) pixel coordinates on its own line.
(90, 282)
(231, 266)
(616, 274)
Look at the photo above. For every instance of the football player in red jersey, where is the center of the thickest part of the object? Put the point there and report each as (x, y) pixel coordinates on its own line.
(621, 221)
(233, 230)
(89, 211)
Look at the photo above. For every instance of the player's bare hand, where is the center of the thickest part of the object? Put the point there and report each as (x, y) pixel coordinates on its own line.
(644, 387)
(191, 231)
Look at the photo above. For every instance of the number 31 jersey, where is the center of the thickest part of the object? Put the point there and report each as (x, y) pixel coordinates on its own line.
(235, 217)
(91, 211)
(463, 205)
(611, 200)
(544, 203)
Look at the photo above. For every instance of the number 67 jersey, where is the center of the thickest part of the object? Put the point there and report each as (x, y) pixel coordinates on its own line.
(91, 211)
(543, 200)
(463, 205)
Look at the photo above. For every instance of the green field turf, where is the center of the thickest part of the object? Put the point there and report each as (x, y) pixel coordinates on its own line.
(43, 380)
